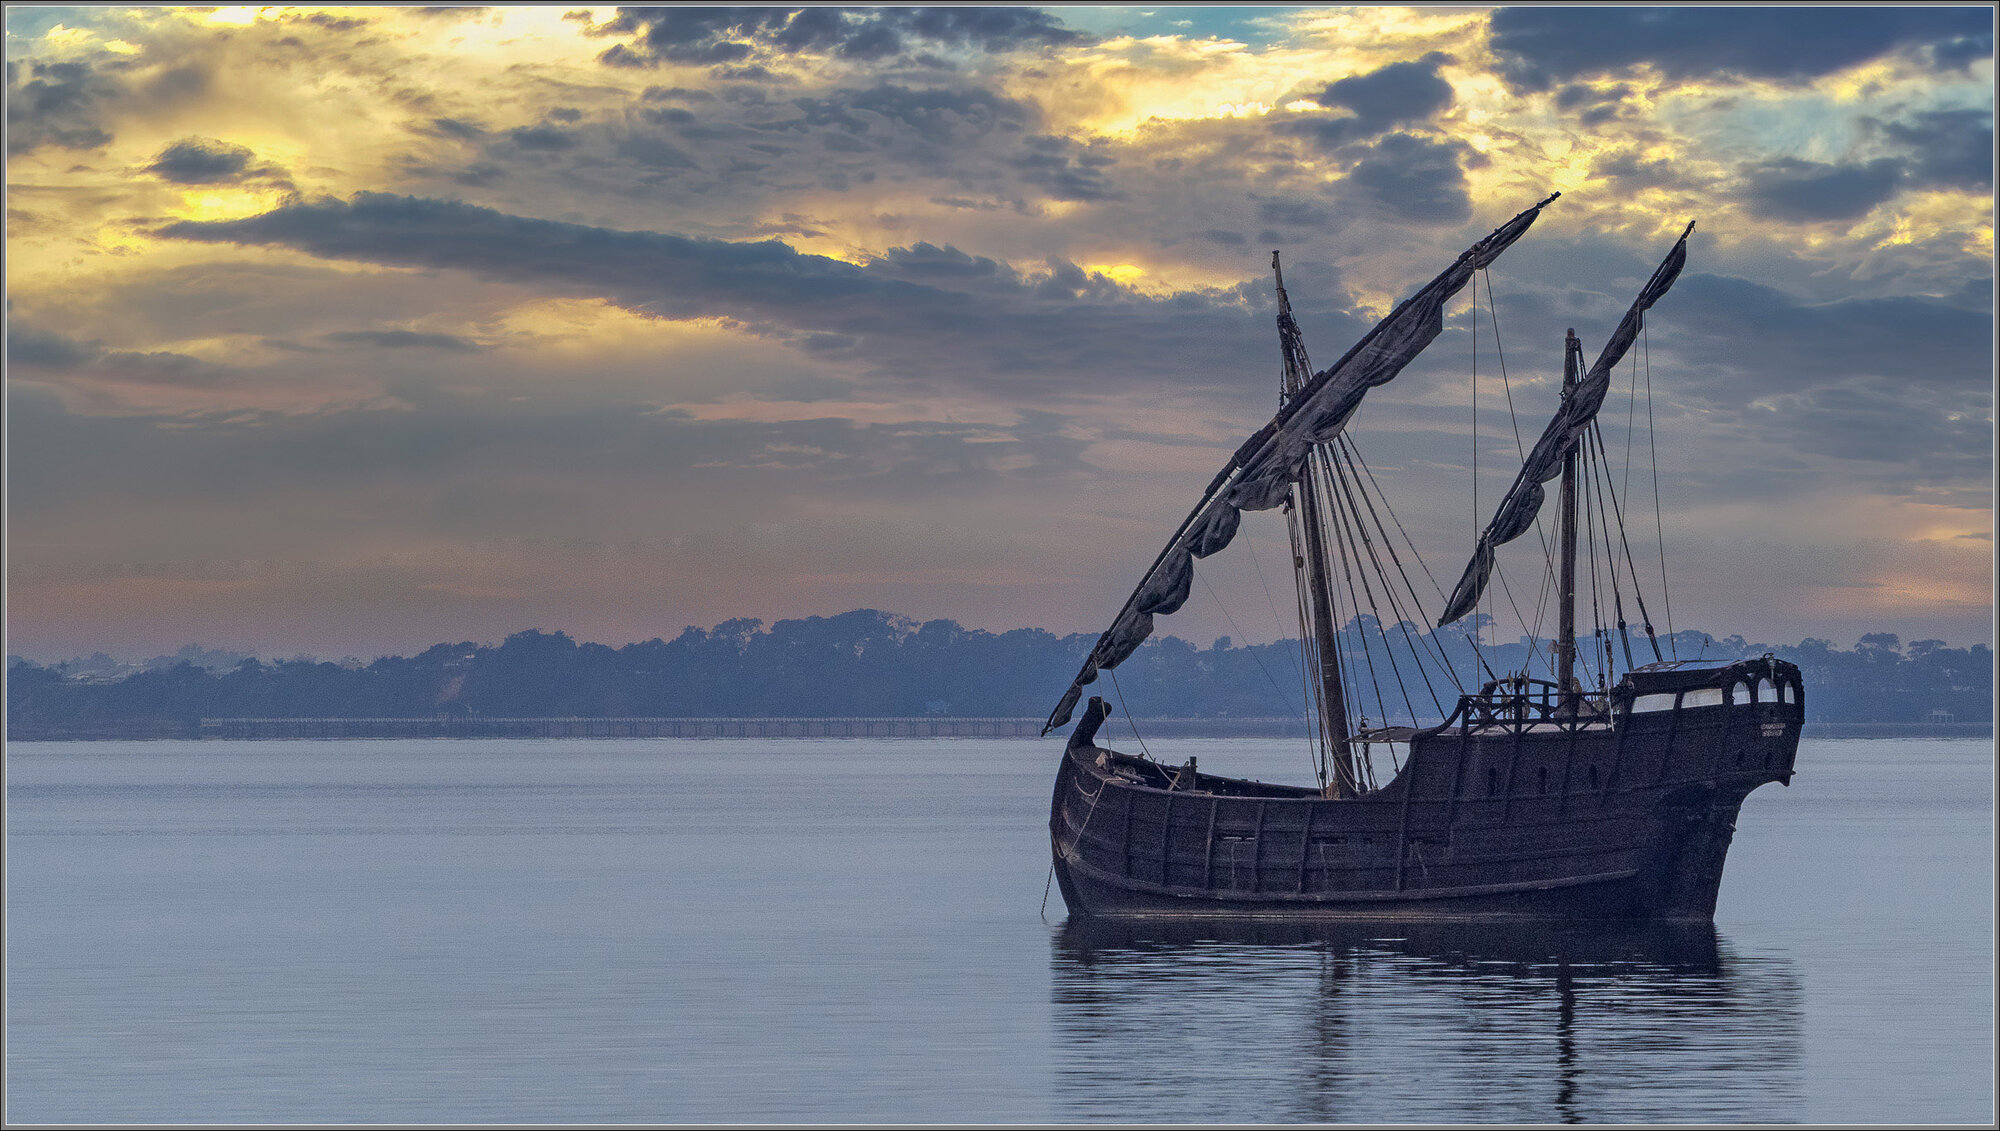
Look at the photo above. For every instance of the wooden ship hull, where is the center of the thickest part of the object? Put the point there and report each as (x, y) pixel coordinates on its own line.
(1625, 817)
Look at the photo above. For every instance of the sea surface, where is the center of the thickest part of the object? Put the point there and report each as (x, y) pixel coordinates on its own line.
(795, 930)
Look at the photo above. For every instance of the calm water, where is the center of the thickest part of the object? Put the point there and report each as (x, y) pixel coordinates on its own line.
(847, 931)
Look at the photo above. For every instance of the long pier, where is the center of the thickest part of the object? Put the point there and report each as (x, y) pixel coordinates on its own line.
(918, 727)
(636, 727)
(447, 726)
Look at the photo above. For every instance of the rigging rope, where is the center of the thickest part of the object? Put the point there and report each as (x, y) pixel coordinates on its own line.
(1350, 514)
(1250, 648)
(1659, 524)
(1354, 452)
(1590, 525)
(1389, 593)
(1632, 569)
(1361, 634)
(1500, 351)
(1129, 720)
(1403, 619)
(1603, 466)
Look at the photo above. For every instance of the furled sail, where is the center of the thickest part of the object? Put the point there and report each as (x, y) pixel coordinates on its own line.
(1260, 474)
(1523, 500)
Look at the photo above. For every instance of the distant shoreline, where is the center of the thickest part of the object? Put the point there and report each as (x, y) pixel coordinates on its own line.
(920, 727)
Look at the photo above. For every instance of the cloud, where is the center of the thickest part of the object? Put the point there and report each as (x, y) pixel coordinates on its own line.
(735, 35)
(1632, 173)
(654, 153)
(1294, 212)
(667, 275)
(913, 308)
(202, 161)
(1415, 179)
(1808, 191)
(1540, 47)
(1381, 100)
(1593, 106)
(1950, 148)
(57, 104)
(459, 463)
(1907, 341)
(937, 116)
(113, 380)
(544, 138)
(403, 339)
(1067, 170)
(28, 345)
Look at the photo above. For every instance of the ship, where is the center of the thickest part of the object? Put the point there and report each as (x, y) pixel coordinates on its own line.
(1597, 790)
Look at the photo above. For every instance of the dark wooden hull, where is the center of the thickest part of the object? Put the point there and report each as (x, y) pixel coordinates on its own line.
(1628, 819)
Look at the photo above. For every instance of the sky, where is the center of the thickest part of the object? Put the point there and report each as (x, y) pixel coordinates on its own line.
(353, 330)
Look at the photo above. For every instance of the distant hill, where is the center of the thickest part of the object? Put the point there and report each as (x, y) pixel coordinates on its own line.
(869, 663)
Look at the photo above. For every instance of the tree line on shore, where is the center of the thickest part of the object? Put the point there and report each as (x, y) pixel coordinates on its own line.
(869, 663)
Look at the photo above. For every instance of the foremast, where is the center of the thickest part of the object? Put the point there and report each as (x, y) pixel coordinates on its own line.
(1338, 774)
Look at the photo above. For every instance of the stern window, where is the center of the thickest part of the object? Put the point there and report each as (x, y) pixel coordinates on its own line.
(1738, 693)
(1790, 695)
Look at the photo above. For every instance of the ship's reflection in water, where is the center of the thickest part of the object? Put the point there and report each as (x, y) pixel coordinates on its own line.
(1420, 1023)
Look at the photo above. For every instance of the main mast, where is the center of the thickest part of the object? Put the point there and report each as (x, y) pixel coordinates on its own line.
(1313, 576)
(1566, 632)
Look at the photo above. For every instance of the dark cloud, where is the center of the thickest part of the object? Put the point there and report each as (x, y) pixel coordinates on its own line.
(1936, 437)
(1379, 101)
(1067, 170)
(734, 35)
(567, 453)
(1950, 148)
(202, 161)
(454, 128)
(57, 104)
(1960, 53)
(27, 345)
(1542, 47)
(1807, 191)
(937, 116)
(1397, 93)
(327, 23)
(1222, 236)
(402, 339)
(46, 352)
(544, 138)
(662, 274)
(1295, 212)
(479, 174)
(927, 262)
(673, 93)
(1632, 174)
(654, 153)
(1593, 106)
(910, 309)
(1415, 179)
(1906, 342)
